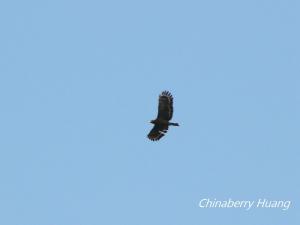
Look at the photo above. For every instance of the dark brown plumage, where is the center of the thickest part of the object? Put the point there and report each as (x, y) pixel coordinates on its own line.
(165, 114)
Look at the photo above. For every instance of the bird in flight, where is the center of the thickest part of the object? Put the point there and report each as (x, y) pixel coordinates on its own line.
(165, 113)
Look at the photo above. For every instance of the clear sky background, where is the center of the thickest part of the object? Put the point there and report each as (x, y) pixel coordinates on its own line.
(79, 83)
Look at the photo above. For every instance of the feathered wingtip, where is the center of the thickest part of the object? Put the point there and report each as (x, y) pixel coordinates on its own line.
(166, 93)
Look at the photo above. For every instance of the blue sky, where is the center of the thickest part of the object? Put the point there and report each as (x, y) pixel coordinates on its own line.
(79, 83)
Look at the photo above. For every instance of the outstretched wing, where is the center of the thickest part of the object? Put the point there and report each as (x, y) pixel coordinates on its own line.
(165, 106)
(157, 132)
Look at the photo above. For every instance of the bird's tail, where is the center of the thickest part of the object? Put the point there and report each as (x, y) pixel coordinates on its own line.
(174, 124)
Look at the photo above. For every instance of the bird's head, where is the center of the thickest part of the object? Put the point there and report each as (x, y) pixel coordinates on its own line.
(152, 121)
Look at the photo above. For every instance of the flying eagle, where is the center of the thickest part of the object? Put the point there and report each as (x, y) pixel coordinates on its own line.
(165, 113)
